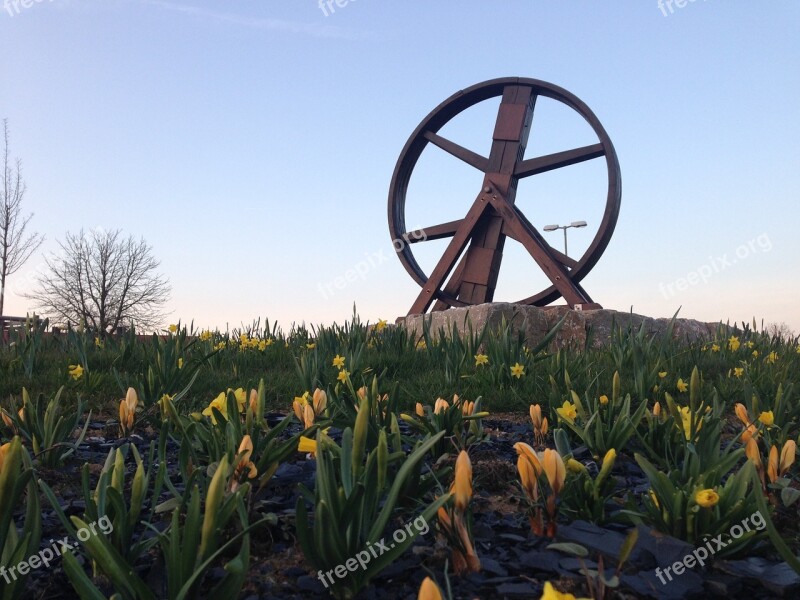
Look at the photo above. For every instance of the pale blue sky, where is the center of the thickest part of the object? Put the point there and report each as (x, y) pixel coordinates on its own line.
(252, 144)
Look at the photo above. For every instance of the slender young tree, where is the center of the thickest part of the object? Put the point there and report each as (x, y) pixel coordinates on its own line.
(102, 281)
(16, 243)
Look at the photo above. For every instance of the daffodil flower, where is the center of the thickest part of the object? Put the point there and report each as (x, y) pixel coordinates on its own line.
(338, 362)
(517, 370)
(481, 359)
(568, 411)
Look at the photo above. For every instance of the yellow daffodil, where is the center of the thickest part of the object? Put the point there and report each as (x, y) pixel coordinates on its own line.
(654, 498)
(750, 344)
(338, 362)
(682, 387)
(205, 335)
(662, 374)
(755, 353)
(98, 342)
(517, 370)
(706, 498)
(75, 371)
(715, 347)
(429, 590)
(551, 593)
(772, 357)
(311, 345)
(343, 375)
(603, 399)
(481, 359)
(307, 445)
(686, 421)
(733, 343)
(221, 404)
(738, 371)
(380, 325)
(767, 418)
(463, 482)
(173, 328)
(568, 411)
(180, 363)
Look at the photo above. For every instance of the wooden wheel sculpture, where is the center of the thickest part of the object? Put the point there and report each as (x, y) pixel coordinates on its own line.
(493, 215)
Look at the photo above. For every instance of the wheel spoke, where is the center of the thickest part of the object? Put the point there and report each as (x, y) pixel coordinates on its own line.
(434, 232)
(542, 164)
(468, 156)
(565, 260)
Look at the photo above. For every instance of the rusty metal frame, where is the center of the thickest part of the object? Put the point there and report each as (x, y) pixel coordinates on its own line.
(478, 239)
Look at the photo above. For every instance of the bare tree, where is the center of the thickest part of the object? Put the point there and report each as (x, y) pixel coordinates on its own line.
(103, 282)
(16, 244)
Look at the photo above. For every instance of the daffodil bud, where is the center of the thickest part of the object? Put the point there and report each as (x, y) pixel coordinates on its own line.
(608, 464)
(615, 388)
(383, 459)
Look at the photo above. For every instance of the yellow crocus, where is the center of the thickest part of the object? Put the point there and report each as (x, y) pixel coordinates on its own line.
(554, 470)
(463, 482)
(319, 401)
(440, 405)
(419, 410)
(767, 418)
(603, 399)
(706, 498)
(429, 590)
(245, 465)
(787, 456)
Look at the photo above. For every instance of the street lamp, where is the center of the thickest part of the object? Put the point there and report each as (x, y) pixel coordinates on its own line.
(565, 227)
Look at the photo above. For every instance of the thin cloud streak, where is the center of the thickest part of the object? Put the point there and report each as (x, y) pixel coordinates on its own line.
(266, 24)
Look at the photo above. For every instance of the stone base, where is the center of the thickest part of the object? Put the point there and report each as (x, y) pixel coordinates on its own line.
(536, 321)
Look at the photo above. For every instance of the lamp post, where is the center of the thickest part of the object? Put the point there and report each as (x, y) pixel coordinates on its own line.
(565, 227)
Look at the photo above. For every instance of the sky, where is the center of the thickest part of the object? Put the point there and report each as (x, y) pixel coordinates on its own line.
(252, 143)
